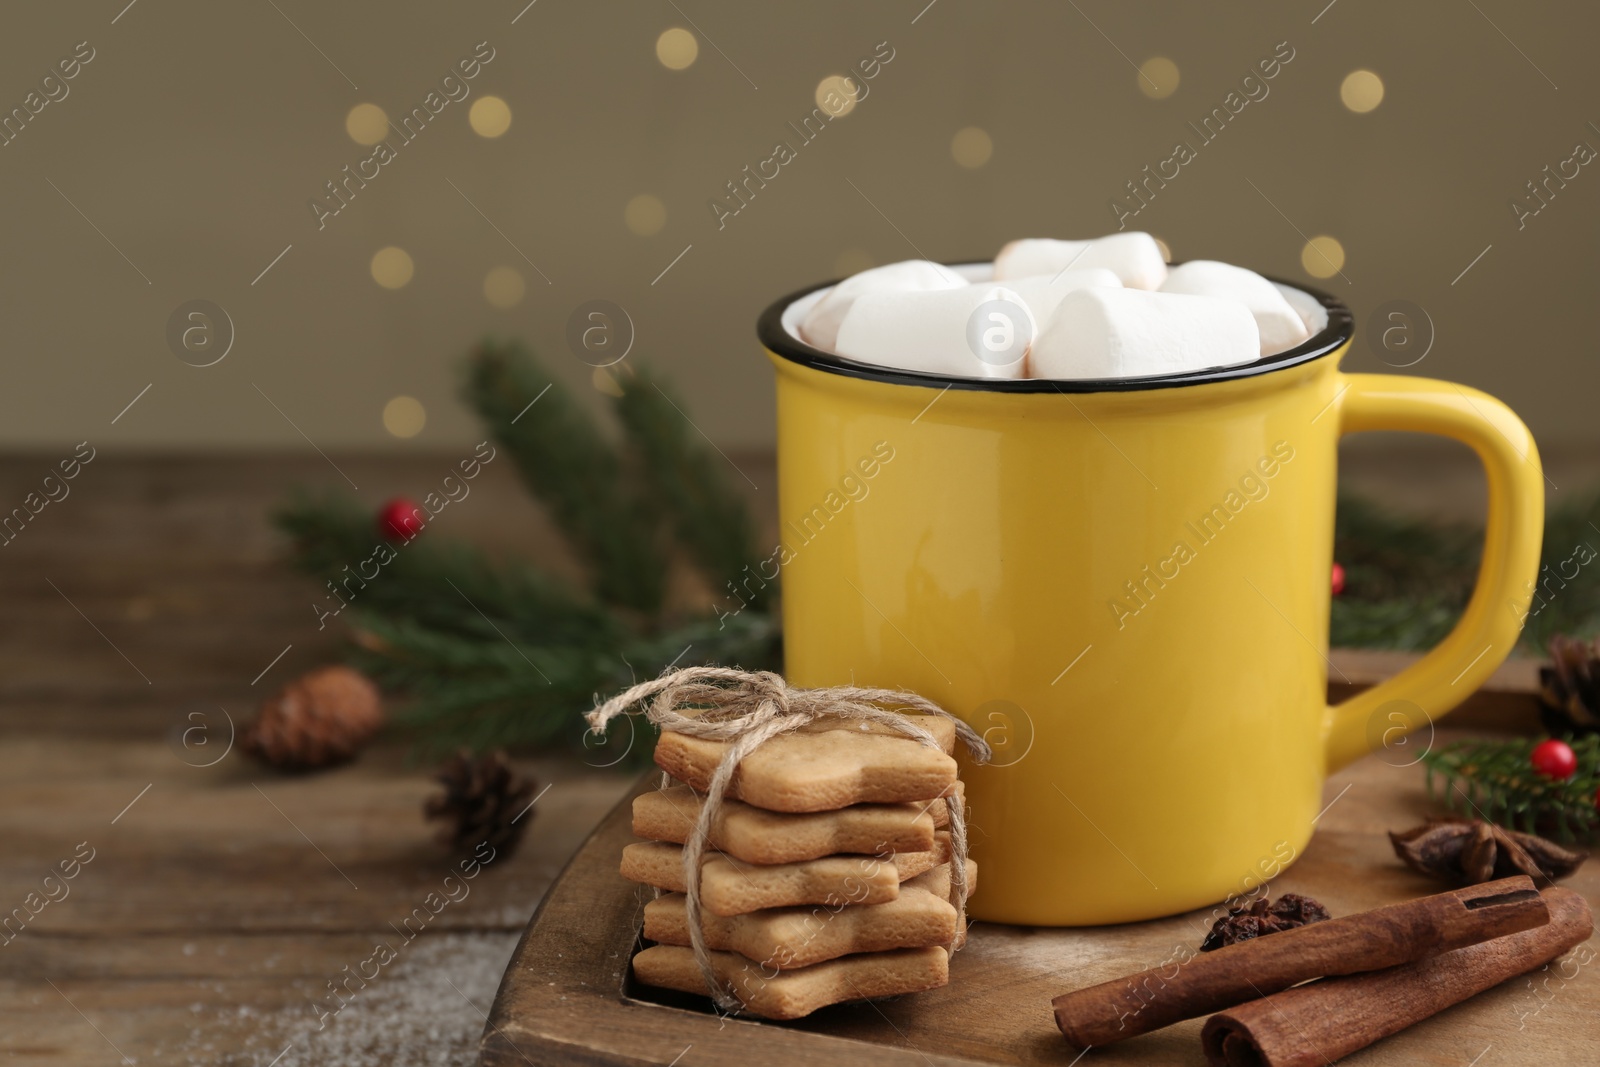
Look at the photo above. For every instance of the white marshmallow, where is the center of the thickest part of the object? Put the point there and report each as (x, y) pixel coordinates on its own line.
(1043, 292)
(821, 325)
(1280, 325)
(935, 332)
(1133, 257)
(1126, 333)
(1308, 307)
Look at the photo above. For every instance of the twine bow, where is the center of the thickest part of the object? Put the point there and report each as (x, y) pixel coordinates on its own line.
(747, 709)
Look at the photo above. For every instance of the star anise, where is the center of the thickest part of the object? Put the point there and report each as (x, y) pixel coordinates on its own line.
(1260, 918)
(1469, 851)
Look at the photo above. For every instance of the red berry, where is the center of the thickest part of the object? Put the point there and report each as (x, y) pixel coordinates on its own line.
(401, 519)
(1554, 759)
(1338, 579)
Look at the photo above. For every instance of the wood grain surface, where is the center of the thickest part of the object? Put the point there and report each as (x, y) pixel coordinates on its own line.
(219, 905)
(222, 901)
(567, 997)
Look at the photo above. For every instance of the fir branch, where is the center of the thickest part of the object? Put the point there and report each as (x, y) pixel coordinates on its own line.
(328, 531)
(1400, 623)
(480, 691)
(490, 653)
(687, 482)
(1408, 580)
(1495, 780)
(483, 693)
(1567, 590)
(1395, 557)
(447, 587)
(565, 461)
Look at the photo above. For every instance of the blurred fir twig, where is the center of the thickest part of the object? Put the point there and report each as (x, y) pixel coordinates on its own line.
(1494, 779)
(707, 512)
(1408, 580)
(490, 653)
(569, 465)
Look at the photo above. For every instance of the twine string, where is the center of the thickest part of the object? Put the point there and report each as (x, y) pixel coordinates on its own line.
(746, 709)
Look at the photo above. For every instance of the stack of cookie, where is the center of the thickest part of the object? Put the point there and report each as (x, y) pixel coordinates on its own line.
(830, 875)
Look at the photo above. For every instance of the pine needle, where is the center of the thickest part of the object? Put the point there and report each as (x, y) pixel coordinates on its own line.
(1495, 780)
(708, 513)
(568, 464)
(1407, 580)
(488, 653)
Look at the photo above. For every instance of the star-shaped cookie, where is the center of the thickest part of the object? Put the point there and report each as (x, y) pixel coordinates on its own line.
(824, 765)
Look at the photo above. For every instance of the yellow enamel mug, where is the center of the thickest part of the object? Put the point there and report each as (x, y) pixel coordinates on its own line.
(1125, 586)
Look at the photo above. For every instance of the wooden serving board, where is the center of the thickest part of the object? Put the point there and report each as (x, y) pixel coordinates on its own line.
(568, 997)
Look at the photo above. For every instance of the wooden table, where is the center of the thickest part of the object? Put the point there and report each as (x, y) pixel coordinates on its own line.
(221, 900)
(569, 999)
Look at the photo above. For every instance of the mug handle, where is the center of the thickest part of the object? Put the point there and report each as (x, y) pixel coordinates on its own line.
(1487, 631)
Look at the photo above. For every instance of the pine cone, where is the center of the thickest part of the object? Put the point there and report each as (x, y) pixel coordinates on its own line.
(320, 719)
(1569, 689)
(484, 801)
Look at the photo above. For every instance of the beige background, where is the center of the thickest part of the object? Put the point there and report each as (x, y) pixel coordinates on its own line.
(198, 133)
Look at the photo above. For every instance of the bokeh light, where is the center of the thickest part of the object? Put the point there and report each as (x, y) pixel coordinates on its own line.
(1361, 91)
(392, 267)
(367, 124)
(1158, 77)
(645, 215)
(490, 116)
(404, 416)
(836, 95)
(1322, 257)
(971, 147)
(504, 287)
(677, 48)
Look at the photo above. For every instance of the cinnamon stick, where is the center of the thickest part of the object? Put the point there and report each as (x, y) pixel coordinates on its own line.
(1368, 941)
(1318, 1023)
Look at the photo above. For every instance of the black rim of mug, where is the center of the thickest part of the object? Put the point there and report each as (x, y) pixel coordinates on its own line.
(779, 341)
